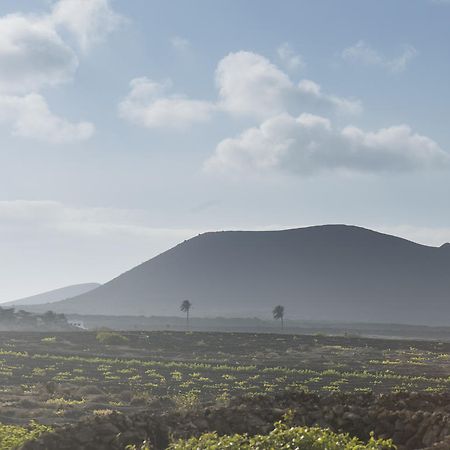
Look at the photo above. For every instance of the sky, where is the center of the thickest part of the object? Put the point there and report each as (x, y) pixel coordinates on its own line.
(127, 127)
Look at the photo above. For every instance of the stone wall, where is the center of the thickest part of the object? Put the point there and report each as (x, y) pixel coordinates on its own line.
(414, 421)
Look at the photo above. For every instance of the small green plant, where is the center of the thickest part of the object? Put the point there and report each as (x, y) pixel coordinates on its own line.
(111, 338)
(223, 399)
(12, 436)
(64, 402)
(187, 401)
(49, 340)
(102, 412)
(284, 437)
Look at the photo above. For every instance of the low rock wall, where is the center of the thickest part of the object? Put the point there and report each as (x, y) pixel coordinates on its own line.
(414, 421)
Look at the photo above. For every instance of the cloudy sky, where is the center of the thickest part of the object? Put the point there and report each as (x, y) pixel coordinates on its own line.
(128, 126)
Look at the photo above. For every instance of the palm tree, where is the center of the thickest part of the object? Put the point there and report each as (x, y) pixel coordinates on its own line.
(185, 307)
(278, 314)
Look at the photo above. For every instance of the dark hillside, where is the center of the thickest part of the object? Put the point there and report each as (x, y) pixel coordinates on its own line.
(332, 272)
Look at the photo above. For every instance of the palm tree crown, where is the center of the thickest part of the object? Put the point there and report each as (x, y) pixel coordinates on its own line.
(278, 314)
(185, 306)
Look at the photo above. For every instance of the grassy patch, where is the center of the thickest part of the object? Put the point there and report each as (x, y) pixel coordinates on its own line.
(12, 436)
(283, 437)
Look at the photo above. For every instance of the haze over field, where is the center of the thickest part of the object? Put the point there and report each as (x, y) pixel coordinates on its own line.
(55, 295)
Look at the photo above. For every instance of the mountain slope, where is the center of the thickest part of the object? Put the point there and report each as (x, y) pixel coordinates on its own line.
(54, 295)
(332, 272)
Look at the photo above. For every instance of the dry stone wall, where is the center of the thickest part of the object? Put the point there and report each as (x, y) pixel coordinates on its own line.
(414, 421)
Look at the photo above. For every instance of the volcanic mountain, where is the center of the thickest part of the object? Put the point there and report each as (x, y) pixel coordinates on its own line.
(331, 272)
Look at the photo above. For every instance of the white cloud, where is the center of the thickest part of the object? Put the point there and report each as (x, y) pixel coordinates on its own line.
(148, 104)
(288, 56)
(32, 55)
(249, 84)
(180, 44)
(400, 63)
(30, 117)
(364, 54)
(33, 52)
(308, 144)
(312, 92)
(90, 21)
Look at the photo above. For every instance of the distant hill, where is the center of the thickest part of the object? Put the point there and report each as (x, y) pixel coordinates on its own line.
(55, 295)
(331, 272)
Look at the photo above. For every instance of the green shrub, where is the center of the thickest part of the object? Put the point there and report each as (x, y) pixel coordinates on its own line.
(111, 338)
(187, 401)
(12, 436)
(283, 437)
(60, 402)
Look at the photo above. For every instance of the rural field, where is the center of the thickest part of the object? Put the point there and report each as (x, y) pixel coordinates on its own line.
(59, 378)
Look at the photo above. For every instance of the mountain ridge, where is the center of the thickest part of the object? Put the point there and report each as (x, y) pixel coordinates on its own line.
(341, 272)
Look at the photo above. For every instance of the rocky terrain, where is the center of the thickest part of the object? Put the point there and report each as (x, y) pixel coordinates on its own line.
(414, 421)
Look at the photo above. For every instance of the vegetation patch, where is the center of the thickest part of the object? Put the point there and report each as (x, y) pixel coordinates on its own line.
(12, 436)
(111, 338)
(60, 377)
(282, 437)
